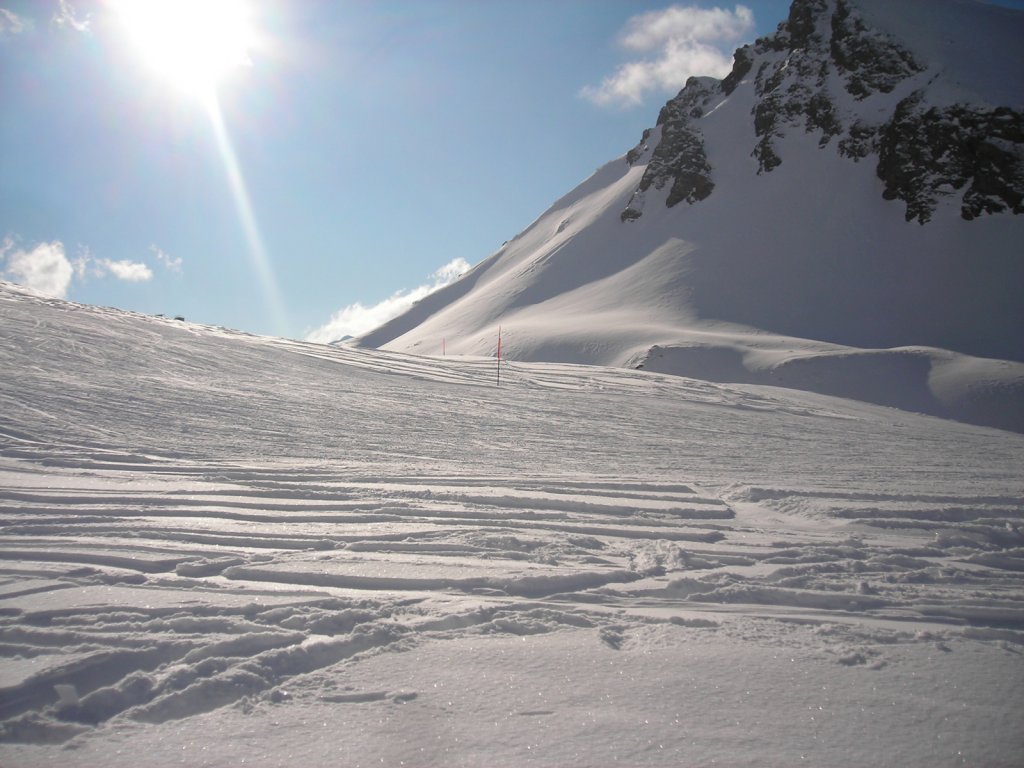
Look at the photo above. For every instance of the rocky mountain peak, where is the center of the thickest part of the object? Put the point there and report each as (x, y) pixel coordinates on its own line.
(758, 232)
(828, 71)
(678, 157)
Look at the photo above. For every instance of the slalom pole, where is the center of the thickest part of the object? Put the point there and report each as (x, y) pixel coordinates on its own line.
(499, 355)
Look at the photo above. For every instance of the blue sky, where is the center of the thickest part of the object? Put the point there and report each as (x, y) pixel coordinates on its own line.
(359, 149)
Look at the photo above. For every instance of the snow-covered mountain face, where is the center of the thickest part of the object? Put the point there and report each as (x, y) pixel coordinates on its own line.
(831, 72)
(840, 213)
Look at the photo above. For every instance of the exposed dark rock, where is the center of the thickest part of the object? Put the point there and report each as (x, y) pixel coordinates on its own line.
(679, 157)
(742, 61)
(998, 182)
(928, 153)
(873, 62)
(769, 78)
(792, 90)
(766, 118)
(637, 152)
(824, 47)
(691, 186)
(767, 158)
(788, 100)
(802, 22)
(821, 115)
(859, 142)
(777, 42)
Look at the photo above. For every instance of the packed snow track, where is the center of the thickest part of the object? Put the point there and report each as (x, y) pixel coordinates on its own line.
(217, 546)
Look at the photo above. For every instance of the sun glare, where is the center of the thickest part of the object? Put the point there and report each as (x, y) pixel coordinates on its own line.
(195, 44)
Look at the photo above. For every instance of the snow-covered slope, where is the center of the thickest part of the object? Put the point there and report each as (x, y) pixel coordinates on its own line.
(219, 549)
(852, 189)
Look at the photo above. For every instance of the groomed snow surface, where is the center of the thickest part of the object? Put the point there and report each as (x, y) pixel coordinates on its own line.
(218, 549)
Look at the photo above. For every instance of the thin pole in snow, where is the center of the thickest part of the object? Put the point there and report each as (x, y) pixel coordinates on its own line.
(499, 355)
(444, 348)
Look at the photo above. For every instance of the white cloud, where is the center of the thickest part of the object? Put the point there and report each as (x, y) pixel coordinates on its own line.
(356, 319)
(44, 268)
(674, 44)
(171, 263)
(130, 271)
(11, 23)
(66, 16)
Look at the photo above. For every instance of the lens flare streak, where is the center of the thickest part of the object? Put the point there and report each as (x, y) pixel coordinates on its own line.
(240, 192)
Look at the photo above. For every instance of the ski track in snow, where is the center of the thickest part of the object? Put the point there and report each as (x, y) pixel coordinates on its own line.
(195, 519)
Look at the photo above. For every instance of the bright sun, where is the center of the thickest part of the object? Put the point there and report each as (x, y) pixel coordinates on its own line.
(194, 44)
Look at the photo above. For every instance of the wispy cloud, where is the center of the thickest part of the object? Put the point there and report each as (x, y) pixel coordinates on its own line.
(83, 259)
(170, 263)
(672, 45)
(44, 268)
(12, 24)
(67, 17)
(356, 319)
